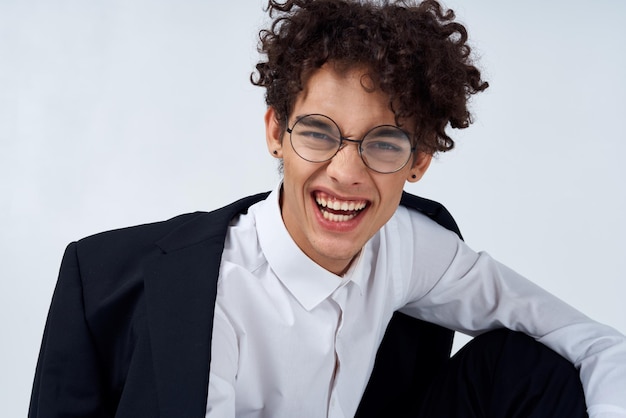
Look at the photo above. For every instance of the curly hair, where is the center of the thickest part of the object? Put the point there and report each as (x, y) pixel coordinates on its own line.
(417, 54)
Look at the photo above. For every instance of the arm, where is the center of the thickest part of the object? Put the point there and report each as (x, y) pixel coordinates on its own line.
(475, 293)
(221, 400)
(68, 379)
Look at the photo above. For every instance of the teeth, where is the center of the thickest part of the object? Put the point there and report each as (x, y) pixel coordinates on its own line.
(333, 217)
(339, 205)
(351, 208)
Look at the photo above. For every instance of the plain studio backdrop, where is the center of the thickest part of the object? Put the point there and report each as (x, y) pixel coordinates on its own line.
(115, 113)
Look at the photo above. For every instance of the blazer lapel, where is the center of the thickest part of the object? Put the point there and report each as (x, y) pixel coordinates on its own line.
(180, 287)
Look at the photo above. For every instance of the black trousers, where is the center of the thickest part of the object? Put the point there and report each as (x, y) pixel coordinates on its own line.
(503, 374)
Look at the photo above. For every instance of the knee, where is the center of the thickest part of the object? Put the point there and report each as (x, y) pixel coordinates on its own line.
(517, 367)
(513, 355)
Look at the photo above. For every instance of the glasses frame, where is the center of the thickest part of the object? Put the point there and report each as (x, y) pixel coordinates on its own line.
(344, 140)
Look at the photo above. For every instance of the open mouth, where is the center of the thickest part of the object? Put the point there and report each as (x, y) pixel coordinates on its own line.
(338, 210)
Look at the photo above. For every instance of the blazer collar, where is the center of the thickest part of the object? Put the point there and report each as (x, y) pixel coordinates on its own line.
(434, 210)
(207, 226)
(180, 287)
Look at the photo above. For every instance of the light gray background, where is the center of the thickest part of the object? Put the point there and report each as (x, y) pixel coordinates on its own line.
(123, 112)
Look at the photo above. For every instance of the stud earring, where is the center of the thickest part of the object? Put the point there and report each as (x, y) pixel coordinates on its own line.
(414, 176)
(275, 152)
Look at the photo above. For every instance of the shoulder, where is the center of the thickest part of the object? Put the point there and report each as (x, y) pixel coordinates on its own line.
(431, 209)
(422, 228)
(164, 236)
(127, 239)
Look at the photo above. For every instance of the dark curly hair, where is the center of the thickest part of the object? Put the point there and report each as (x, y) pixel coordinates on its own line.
(416, 53)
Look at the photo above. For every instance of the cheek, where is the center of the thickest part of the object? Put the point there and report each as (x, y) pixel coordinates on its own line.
(391, 186)
(295, 179)
(296, 170)
(391, 193)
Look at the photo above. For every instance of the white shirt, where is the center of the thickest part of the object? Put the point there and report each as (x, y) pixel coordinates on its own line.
(291, 339)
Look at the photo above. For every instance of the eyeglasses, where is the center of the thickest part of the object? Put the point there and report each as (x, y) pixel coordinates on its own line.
(317, 138)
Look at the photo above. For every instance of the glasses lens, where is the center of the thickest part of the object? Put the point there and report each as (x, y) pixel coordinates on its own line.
(315, 138)
(386, 149)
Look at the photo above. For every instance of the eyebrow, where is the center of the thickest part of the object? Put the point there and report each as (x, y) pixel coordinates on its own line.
(389, 130)
(323, 122)
(317, 121)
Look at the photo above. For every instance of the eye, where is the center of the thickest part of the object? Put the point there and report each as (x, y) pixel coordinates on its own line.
(384, 146)
(316, 135)
(386, 140)
(316, 132)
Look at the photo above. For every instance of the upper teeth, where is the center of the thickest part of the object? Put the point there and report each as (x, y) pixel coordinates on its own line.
(340, 205)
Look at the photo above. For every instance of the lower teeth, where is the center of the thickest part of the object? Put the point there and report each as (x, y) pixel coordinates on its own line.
(333, 217)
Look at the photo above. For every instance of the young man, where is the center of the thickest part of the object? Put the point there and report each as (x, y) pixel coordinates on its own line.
(276, 305)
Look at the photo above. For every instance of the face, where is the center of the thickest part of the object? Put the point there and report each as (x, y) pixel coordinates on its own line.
(332, 209)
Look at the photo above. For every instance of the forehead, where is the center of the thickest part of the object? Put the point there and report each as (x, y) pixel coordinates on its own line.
(349, 96)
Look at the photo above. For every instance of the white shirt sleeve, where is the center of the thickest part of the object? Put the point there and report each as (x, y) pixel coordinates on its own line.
(221, 399)
(475, 294)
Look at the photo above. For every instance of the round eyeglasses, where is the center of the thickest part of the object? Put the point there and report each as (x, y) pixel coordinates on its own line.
(317, 138)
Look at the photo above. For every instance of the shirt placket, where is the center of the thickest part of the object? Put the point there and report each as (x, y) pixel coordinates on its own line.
(335, 409)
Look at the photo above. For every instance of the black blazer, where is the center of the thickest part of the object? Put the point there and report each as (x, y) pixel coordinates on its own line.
(129, 328)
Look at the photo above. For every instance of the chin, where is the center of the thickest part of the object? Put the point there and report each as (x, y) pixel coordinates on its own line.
(337, 253)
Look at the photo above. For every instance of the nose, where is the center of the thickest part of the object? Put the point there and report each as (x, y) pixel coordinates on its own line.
(347, 167)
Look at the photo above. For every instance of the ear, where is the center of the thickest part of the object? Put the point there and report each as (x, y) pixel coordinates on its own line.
(273, 134)
(420, 165)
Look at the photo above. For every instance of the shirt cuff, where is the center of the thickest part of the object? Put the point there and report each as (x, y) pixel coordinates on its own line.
(606, 411)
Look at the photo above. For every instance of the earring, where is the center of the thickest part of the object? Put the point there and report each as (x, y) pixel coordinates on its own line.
(275, 152)
(414, 176)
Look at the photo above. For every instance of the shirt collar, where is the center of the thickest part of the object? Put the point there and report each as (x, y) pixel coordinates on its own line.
(307, 281)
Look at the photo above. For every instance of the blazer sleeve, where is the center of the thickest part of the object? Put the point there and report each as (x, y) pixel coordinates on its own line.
(68, 378)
